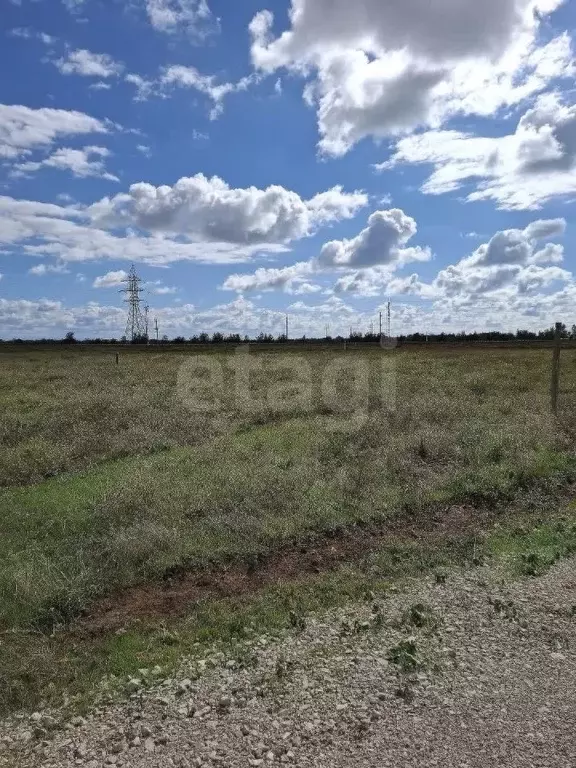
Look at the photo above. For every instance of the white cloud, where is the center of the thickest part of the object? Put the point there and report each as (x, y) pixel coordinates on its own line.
(23, 129)
(378, 281)
(65, 232)
(74, 6)
(43, 269)
(384, 68)
(80, 162)
(88, 64)
(522, 170)
(25, 318)
(285, 278)
(507, 265)
(100, 86)
(512, 263)
(158, 288)
(26, 33)
(189, 77)
(210, 210)
(144, 149)
(171, 16)
(110, 279)
(144, 88)
(380, 243)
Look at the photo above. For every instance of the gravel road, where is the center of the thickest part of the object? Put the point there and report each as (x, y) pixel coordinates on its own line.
(472, 672)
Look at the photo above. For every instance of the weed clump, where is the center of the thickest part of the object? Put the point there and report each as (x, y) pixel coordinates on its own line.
(406, 655)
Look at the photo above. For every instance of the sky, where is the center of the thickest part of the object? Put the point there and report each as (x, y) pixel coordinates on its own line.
(316, 158)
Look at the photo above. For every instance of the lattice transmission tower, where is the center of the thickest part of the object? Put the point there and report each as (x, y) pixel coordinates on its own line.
(136, 324)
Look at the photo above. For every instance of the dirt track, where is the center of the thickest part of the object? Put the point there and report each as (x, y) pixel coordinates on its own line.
(182, 588)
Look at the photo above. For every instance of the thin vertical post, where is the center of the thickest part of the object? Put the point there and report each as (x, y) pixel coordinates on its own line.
(286, 327)
(555, 369)
(117, 358)
(380, 324)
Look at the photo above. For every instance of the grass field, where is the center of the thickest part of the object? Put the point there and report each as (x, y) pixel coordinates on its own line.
(110, 479)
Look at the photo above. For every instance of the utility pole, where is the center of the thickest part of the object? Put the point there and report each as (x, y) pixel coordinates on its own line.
(555, 368)
(380, 325)
(286, 327)
(135, 324)
(146, 310)
(156, 328)
(388, 322)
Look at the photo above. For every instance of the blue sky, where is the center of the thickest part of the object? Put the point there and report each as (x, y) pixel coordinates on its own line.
(267, 157)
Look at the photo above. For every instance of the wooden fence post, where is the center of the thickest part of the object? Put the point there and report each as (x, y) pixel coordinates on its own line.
(117, 358)
(555, 369)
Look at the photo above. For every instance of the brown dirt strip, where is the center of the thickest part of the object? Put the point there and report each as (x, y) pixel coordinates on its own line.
(182, 589)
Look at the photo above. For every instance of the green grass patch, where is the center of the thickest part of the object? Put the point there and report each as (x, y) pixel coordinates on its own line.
(530, 551)
(110, 480)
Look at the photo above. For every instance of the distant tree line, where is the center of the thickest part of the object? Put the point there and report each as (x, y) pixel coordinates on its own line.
(354, 336)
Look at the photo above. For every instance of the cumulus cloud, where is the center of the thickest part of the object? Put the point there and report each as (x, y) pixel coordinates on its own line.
(378, 281)
(198, 219)
(80, 162)
(210, 210)
(379, 69)
(110, 279)
(531, 310)
(87, 64)
(65, 232)
(522, 170)
(269, 279)
(43, 269)
(23, 129)
(380, 243)
(511, 263)
(158, 288)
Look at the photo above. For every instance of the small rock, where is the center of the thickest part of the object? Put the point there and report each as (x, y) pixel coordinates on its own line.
(48, 722)
(78, 721)
(149, 745)
(225, 702)
(80, 751)
(133, 685)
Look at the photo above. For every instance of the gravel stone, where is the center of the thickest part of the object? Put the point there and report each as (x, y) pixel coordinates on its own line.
(494, 684)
